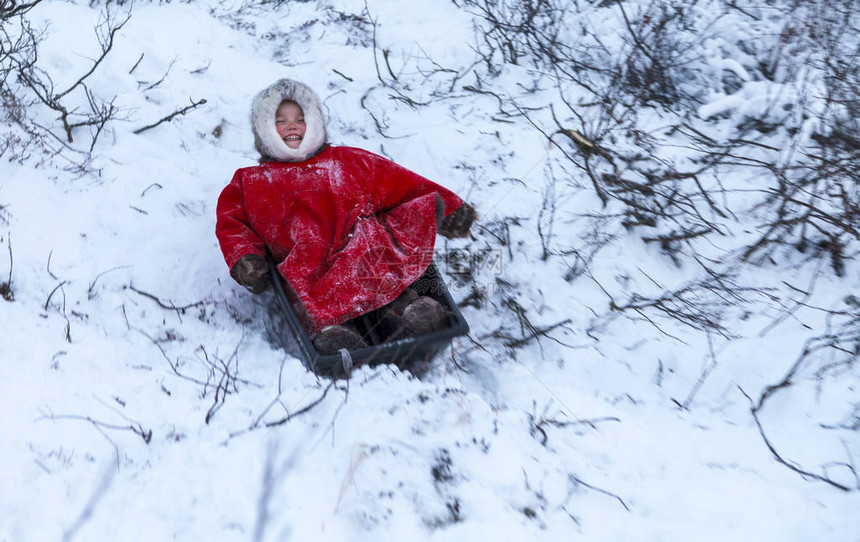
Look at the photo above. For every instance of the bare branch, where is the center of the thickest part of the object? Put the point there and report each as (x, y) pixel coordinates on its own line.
(171, 116)
(106, 42)
(93, 502)
(169, 305)
(754, 410)
(138, 429)
(579, 481)
(6, 287)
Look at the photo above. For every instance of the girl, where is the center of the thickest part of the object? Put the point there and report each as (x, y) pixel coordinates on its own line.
(349, 230)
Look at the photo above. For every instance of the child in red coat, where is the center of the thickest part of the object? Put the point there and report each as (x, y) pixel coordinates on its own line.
(349, 230)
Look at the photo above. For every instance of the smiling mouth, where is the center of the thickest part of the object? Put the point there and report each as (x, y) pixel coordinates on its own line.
(292, 138)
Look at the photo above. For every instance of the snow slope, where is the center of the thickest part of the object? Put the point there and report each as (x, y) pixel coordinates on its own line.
(141, 397)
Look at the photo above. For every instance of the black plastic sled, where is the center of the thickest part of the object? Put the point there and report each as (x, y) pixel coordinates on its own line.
(286, 330)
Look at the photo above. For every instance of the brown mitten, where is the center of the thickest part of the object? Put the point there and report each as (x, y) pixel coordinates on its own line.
(457, 224)
(252, 273)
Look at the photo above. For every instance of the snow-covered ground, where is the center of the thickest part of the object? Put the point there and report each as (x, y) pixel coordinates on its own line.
(140, 394)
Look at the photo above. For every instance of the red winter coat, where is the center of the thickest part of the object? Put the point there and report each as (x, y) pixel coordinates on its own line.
(350, 230)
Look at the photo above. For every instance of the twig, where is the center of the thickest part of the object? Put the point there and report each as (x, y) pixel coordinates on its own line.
(170, 117)
(202, 69)
(276, 400)
(106, 44)
(161, 304)
(290, 416)
(381, 126)
(153, 185)
(577, 480)
(13, 9)
(375, 60)
(90, 293)
(170, 362)
(9, 246)
(227, 383)
(385, 54)
(350, 79)
(272, 477)
(145, 434)
(48, 266)
(304, 409)
(791, 465)
(536, 332)
(591, 422)
(89, 508)
(136, 64)
(850, 464)
(797, 302)
(705, 374)
(6, 287)
(57, 287)
(163, 77)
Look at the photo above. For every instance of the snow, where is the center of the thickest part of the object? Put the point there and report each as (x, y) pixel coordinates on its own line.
(114, 425)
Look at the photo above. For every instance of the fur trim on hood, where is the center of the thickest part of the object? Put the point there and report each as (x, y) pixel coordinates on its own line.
(266, 138)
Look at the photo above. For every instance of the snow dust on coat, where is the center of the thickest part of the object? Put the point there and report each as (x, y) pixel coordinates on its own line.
(350, 230)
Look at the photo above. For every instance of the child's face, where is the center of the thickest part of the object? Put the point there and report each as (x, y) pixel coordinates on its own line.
(290, 123)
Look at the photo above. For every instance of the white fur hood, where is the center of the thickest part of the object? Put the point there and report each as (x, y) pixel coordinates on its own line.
(266, 138)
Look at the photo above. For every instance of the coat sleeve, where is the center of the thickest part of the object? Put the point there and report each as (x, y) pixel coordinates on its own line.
(395, 185)
(233, 229)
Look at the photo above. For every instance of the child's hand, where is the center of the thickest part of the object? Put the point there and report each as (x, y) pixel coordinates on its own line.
(457, 224)
(252, 273)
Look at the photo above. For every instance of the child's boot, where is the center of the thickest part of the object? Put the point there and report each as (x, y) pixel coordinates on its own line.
(333, 338)
(421, 316)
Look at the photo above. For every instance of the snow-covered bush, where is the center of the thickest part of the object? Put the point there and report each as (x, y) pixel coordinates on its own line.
(723, 134)
(670, 173)
(30, 94)
(18, 40)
